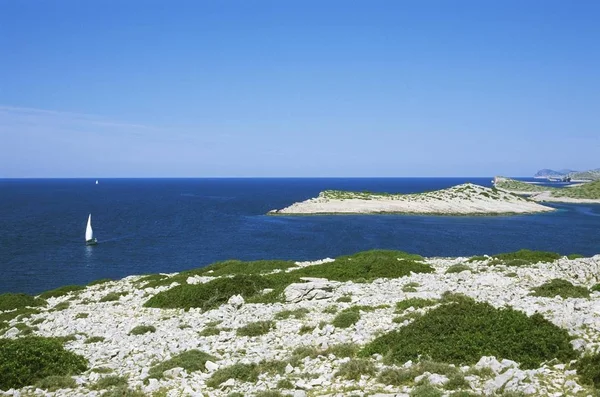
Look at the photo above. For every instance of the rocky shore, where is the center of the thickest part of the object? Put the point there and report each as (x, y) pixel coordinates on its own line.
(465, 199)
(299, 344)
(582, 193)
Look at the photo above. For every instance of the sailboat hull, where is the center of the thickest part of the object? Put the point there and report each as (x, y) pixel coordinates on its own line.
(91, 242)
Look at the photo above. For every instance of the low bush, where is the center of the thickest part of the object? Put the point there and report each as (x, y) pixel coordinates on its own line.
(461, 332)
(404, 376)
(108, 382)
(21, 313)
(410, 287)
(426, 390)
(54, 383)
(531, 257)
(340, 351)
(367, 266)
(285, 384)
(123, 391)
(575, 256)
(588, 369)
(562, 288)
(191, 360)
(256, 328)
(10, 301)
(297, 314)
(478, 258)
(269, 393)
(82, 315)
(210, 331)
(344, 299)
(94, 339)
(27, 360)
(113, 296)
(245, 372)
(355, 368)
(458, 268)
(209, 295)
(416, 303)
(346, 318)
(332, 309)
(142, 329)
(61, 291)
(61, 306)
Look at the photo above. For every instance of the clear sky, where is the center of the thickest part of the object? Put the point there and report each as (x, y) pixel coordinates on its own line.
(111, 88)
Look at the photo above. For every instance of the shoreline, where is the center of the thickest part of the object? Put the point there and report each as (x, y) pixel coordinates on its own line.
(80, 316)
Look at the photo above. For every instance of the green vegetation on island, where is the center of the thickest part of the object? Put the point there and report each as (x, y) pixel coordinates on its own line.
(587, 191)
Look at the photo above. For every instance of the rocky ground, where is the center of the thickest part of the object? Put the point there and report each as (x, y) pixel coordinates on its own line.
(465, 199)
(101, 332)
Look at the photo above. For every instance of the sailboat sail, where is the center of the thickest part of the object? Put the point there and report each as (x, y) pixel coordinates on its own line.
(89, 234)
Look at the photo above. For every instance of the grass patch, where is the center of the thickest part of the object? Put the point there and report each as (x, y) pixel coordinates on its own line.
(10, 301)
(410, 287)
(123, 391)
(210, 331)
(209, 295)
(306, 329)
(25, 361)
(191, 360)
(142, 329)
(108, 382)
(478, 258)
(458, 268)
(54, 383)
(61, 306)
(340, 351)
(461, 332)
(405, 376)
(407, 316)
(285, 384)
(355, 368)
(21, 313)
(426, 390)
(367, 266)
(346, 318)
(562, 288)
(113, 296)
(245, 372)
(298, 314)
(588, 369)
(332, 309)
(61, 291)
(344, 299)
(256, 328)
(94, 339)
(230, 267)
(82, 315)
(416, 303)
(525, 256)
(102, 370)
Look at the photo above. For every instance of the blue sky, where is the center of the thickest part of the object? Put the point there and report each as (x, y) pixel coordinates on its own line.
(298, 88)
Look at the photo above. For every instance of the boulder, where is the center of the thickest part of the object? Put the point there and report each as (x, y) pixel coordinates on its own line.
(314, 289)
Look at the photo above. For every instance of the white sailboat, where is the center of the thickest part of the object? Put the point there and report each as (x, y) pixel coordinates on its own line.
(89, 233)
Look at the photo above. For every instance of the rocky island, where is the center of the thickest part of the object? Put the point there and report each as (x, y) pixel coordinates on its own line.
(588, 192)
(465, 199)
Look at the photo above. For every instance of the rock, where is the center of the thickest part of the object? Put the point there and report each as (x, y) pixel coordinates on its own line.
(578, 344)
(11, 333)
(210, 366)
(438, 380)
(228, 383)
(236, 301)
(489, 362)
(311, 290)
(289, 368)
(299, 393)
(173, 373)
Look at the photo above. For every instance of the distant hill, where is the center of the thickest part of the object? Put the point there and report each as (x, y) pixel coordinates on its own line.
(593, 175)
(545, 173)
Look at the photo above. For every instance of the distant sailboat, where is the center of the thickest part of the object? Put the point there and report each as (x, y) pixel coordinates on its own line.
(96, 181)
(89, 233)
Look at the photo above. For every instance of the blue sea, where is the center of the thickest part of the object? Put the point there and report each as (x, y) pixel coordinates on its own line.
(167, 225)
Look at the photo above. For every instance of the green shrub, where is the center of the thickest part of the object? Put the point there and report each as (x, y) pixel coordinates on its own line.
(102, 370)
(407, 316)
(560, 287)
(10, 301)
(82, 315)
(123, 391)
(61, 291)
(367, 266)
(210, 331)
(297, 314)
(342, 350)
(256, 328)
(108, 382)
(61, 306)
(410, 287)
(426, 390)
(21, 313)
(209, 295)
(230, 267)
(353, 369)
(113, 296)
(24, 361)
(306, 329)
(344, 299)
(529, 256)
(94, 339)
(479, 258)
(269, 393)
(53, 383)
(462, 332)
(285, 384)
(346, 318)
(333, 309)
(417, 303)
(575, 256)
(142, 329)
(65, 338)
(588, 369)
(191, 360)
(458, 268)
(245, 372)
(404, 376)
(155, 280)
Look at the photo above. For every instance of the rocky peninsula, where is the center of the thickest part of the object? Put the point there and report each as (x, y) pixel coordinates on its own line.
(377, 323)
(465, 199)
(588, 192)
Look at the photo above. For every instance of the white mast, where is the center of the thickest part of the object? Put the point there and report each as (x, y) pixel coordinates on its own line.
(89, 233)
